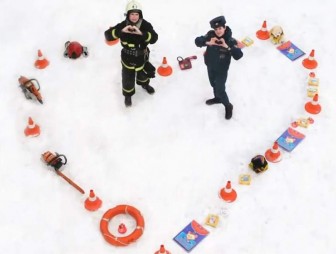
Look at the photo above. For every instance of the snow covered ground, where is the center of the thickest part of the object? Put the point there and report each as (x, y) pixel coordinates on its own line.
(169, 154)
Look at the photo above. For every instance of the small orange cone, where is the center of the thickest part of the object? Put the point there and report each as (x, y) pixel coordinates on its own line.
(122, 228)
(32, 129)
(41, 62)
(165, 69)
(273, 154)
(310, 62)
(313, 107)
(92, 203)
(111, 43)
(228, 194)
(162, 250)
(263, 33)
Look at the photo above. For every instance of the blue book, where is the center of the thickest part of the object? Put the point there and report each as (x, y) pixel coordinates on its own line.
(191, 235)
(290, 50)
(290, 139)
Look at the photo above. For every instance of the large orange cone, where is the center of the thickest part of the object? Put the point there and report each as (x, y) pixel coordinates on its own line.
(41, 62)
(162, 250)
(92, 203)
(273, 154)
(263, 33)
(310, 62)
(32, 129)
(122, 228)
(111, 43)
(313, 107)
(228, 194)
(165, 69)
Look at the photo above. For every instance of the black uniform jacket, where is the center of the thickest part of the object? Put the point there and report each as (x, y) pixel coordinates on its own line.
(134, 46)
(217, 57)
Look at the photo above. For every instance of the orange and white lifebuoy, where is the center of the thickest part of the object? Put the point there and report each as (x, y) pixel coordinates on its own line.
(125, 240)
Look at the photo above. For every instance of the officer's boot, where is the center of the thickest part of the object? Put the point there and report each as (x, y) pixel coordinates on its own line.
(228, 111)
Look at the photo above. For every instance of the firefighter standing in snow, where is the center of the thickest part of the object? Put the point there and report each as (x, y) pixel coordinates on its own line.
(220, 47)
(135, 34)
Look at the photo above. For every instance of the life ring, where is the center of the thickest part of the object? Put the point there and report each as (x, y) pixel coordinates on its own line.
(126, 240)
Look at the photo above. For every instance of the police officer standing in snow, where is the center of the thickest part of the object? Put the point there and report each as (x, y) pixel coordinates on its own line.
(135, 34)
(220, 47)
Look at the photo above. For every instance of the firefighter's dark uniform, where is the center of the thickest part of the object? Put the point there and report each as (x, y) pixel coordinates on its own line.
(134, 54)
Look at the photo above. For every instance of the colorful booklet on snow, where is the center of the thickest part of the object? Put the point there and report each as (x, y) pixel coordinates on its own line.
(290, 50)
(290, 139)
(191, 235)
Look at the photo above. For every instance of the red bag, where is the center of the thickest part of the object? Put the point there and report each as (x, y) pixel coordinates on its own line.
(185, 63)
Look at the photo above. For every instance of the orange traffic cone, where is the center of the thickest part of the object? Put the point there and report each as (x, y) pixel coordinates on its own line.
(162, 250)
(122, 228)
(313, 107)
(111, 43)
(273, 154)
(263, 33)
(165, 69)
(41, 62)
(310, 62)
(32, 129)
(92, 203)
(228, 194)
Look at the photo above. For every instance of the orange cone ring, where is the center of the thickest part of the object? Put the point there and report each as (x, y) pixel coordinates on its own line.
(126, 240)
(263, 33)
(310, 62)
(32, 129)
(273, 154)
(227, 193)
(41, 61)
(165, 69)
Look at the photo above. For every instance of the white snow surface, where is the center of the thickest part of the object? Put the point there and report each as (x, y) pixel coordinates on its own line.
(169, 154)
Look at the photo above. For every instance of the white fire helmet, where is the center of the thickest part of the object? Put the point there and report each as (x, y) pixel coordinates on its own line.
(133, 6)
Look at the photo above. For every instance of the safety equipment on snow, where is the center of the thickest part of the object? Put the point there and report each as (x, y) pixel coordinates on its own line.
(185, 63)
(258, 164)
(55, 160)
(30, 88)
(74, 50)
